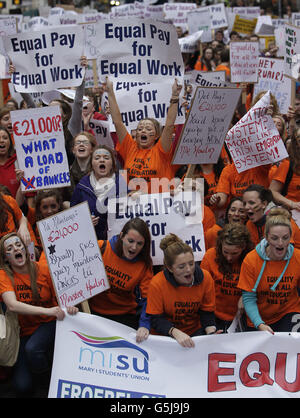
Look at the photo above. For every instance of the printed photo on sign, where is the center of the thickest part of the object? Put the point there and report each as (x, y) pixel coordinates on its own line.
(73, 255)
(40, 148)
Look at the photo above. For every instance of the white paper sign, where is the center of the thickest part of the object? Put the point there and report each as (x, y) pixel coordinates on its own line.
(46, 60)
(292, 51)
(146, 50)
(163, 214)
(199, 19)
(139, 101)
(271, 77)
(104, 361)
(73, 255)
(244, 62)
(254, 139)
(208, 120)
(40, 147)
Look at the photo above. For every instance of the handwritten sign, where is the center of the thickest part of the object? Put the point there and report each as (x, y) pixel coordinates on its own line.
(208, 120)
(46, 60)
(292, 51)
(146, 50)
(163, 214)
(244, 62)
(73, 255)
(271, 77)
(40, 148)
(254, 139)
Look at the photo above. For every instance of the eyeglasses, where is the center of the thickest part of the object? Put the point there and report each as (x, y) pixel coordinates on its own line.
(82, 142)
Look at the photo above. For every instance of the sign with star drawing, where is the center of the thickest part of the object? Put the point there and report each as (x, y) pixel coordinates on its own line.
(73, 255)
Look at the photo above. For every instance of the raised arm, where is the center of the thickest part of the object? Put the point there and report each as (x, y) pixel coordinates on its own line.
(167, 133)
(121, 129)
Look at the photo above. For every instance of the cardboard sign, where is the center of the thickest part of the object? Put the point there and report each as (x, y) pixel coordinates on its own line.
(146, 51)
(244, 62)
(244, 26)
(271, 77)
(208, 120)
(292, 51)
(199, 19)
(40, 148)
(73, 255)
(164, 214)
(46, 60)
(254, 139)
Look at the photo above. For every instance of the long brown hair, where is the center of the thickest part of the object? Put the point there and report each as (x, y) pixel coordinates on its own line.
(31, 266)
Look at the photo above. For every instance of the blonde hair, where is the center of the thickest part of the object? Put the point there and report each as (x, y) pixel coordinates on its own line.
(172, 246)
(278, 216)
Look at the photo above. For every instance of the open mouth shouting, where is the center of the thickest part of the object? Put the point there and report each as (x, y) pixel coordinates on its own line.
(15, 252)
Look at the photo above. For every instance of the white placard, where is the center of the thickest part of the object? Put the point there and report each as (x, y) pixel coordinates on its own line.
(73, 255)
(254, 139)
(40, 147)
(139, 101)
(101, 131)
(106, 362)
(244, 62)
(292, 51)
(271, 77)
(146, 50)
(208, 120)
(199, 19)
(46, 60)
(164, 214)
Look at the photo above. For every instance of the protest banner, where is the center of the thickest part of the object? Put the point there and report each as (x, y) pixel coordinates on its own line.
(199, 19)
(190, 44)
(46, 60)
(244, 61)
(218, 18)
(164, 214)
(207, 78)
(106, 362)
(247, 12)
(254, 139)
(244, 26)
(208, 120)
(101, 131)
(271, 77)
(8, 26)
(73, 255)
(146, 50)
(154, 11)
(177, 13)
(292, 51)
(146, 101)
(40, 148)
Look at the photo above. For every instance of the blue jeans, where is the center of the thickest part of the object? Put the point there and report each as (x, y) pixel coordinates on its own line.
(35, 356)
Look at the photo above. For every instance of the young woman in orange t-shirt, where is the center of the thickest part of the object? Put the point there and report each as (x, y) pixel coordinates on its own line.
(26, 289)
(224, 262)
(181, 298)
(269, 278)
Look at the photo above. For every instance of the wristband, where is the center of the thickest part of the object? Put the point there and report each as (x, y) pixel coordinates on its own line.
(174, 100)
(171, 331)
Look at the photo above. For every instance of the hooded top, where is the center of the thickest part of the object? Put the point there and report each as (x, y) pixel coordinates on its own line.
(186, 308)
(270, 286)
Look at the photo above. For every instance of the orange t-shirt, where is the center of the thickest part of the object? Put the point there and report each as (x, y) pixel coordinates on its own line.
(123, 277)
(211, 236)
(222, 67)
(293, 191)
(146, 163)
(22, 289)
(181, 304)
(199, 66)
(257, 233)
(234, 184)
(227, 293)
(272, 305)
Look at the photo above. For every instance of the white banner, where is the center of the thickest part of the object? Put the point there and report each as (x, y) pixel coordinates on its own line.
(254, 140)
(271, 77)
(139, 101)
(180, 215)
(40, 148)
(145, 50)
(104, 361)
(46, 60)
(292, 51)
(73, 255)
(244, 62)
